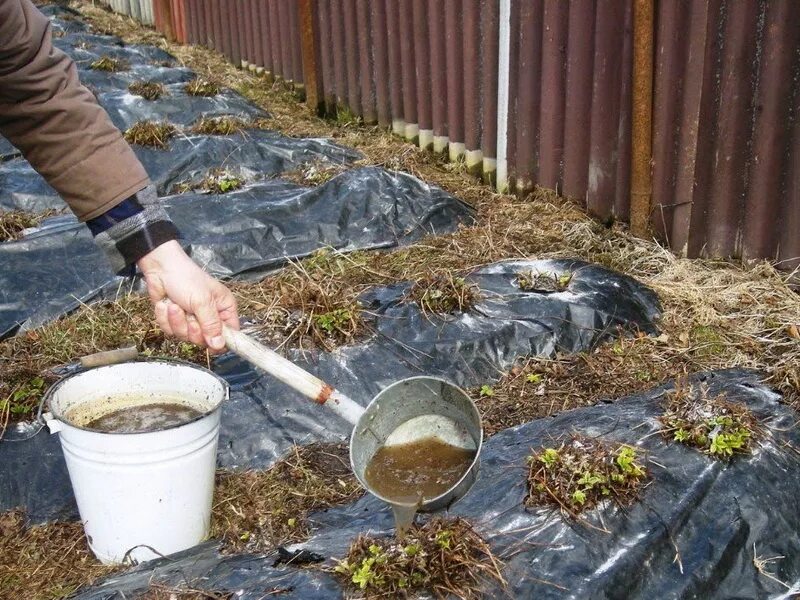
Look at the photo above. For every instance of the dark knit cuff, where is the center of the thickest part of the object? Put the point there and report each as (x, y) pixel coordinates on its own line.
(133, 228)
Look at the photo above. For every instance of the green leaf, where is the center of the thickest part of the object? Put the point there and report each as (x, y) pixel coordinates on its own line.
(578, 497)
(534, 377)
(549, 457)
(443, 539)
(681, 435)
(487, 391)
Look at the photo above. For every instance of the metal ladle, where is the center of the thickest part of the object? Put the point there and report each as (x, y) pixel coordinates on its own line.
(407, 411)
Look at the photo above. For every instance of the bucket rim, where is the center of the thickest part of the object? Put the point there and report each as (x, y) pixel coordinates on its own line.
(469, 472)
(45, 403)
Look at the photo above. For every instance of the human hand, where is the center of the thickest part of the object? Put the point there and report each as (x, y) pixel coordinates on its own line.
(189, 304)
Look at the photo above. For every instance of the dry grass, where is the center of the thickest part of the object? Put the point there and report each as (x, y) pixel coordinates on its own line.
(14, 222)
(226, 125)
(110, 65)
(149, 133)
(307, 305)
(256, 510)
(543, 282)
(581, 473)
(444, 293)
(313, 174)
(166, 592)
(202, 87)
(149, 90)
(44, 562)
(713, 424)
(444, 557)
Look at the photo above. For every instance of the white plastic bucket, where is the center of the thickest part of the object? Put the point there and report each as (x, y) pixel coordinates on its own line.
(140, 495)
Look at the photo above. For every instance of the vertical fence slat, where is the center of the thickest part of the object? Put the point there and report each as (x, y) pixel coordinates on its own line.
(454, 65)
(624, 133)
(326, 56)
(351, 56)
(727, 191)
(309, 36)
(365, 70)
(264, 36)
(551, 136)
(605, 109)
(490, 33)
(408, 70)
(438, 74)
(275, 38)
(380, 62)
(422, 67)
(472, 79)
(395, 71)
(580, 63)
(522, 165)
(337, 46)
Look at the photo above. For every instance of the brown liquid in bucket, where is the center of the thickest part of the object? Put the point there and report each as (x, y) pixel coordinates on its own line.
(143, 418)
(409, 474)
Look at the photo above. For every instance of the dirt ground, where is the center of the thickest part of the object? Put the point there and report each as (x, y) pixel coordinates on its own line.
(715, 313)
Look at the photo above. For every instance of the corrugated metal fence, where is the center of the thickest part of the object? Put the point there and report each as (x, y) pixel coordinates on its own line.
(540, 92)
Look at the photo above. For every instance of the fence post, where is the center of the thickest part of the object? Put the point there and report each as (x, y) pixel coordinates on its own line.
(504, 50)
(164, 10)
(642, 117)
(309, 40)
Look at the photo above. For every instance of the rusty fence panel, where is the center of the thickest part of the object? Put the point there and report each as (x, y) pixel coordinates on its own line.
(539, 92)
(726, 145)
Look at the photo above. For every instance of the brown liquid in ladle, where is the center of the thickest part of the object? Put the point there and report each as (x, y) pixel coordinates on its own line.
(409, 474)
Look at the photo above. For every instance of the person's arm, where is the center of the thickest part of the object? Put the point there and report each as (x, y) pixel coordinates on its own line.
(68, 138)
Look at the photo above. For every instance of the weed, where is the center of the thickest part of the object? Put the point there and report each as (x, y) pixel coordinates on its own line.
(707, 340)
(581, 473)
(110, 65)
(711, 423)
(339, 320)
(346, 118)
(444, 293)
(149, 133)
(487, 391)
(543, 283)
(225, 125)
(202, 87)
(443, 557)
(215, 181)
(149, 90)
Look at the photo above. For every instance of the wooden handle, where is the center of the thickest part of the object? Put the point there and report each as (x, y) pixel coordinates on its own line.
(110, 357)
(290, 374)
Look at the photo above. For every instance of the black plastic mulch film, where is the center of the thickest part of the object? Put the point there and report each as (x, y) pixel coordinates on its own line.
(698, 525)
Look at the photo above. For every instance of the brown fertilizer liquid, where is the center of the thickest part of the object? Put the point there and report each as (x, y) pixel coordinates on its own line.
(418, 471)
(140, 419)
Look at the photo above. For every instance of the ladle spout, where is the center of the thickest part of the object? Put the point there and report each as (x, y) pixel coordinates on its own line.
(289, 373)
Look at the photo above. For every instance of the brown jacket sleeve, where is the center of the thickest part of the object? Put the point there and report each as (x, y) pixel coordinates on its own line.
(56, 122)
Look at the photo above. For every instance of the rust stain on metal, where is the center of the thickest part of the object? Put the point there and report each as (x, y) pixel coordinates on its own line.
(642, 114)
(324, 394)
(308, 45)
